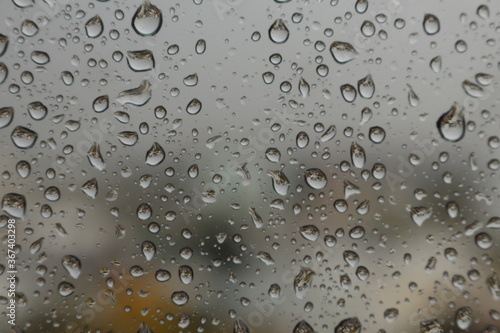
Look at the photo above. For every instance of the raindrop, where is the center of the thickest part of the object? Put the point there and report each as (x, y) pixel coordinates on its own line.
(6, 116)
(278, 32)
(101, 103)
(358, 155)
(315, 178)
(147, 20)
(23, 137)
(95, 157)
(348, 92)
(280, 182)
(180, 298)
(186, 274)
(451, 124)
(366, 87)
(194, 107)
(431, 24)
(14, 204)
(350, 325)
(309, 232)
(148, 248)
(155, 155)
(65, 289)
(140, 61)
(303, 327)
(343, 52)
(94, 27)
(138, 96)
(72, 265)
(29, 28)
(302, 282)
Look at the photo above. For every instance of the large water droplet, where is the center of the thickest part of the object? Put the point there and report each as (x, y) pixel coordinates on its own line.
(136, 96)
(29, 28)
(366, 87)
(302, 282)
(101, 103)
(14, 204)
(358, 155)
(343, 52)
(315, 178)
(155, 155)
(95, 157)
(180, 298)
(431, 24)
(140, 61)
(72, 265)
(90, 188)
(194, 106)
(309, 232)
(451, 124)
(280, 182)
(65, 289)
(147, 20)
(6, 116)
(94, 27)
(278, 32)
(23, 137)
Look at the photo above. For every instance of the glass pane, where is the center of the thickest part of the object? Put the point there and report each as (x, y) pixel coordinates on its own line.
(249, 166)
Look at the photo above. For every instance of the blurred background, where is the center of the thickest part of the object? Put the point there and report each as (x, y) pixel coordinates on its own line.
(237, 166)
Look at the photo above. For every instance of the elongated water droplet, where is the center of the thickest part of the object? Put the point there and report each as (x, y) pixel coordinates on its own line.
(4, 72)
(147, 20)
(361, 6)
(463, 317)
(278, 32)
(431, 24)
(304, 87)
(451, 124)
(128, 138)
(148, 250)
(420, 214)
(140, 61)
(366, 87)
(436, 64)
(358, 155)
(343, 52)
(94, 27)
(351, 258)
(191, 80)
(265, 257)
(95, 157)
(257, 220)
(240, 327)
(136, 96)
(302, 139)
(40, 57)
(23, 169)
(302, 282)
(72, 265)
(280, 182)
(472, 89)
(4, 42)
(412, 97)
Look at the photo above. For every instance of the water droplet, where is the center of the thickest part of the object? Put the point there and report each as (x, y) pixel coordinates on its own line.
(94, 27)
(315, 178)
(90, 188)
(366, 87)
(265, 257)
(201, 46)
(23, 137)
(377, 134)
(274, 291)
(141, 61)
(186, 274)
(304, 87)
(101, 103)
(484, 241)
(194, 107)
(349, 325)
(72, 265)
(6, 116)
(362, 273)
(280, 182)
(431, 24)
(302, 282)
(309, 232)
(358, 155)
(481, 78)
(361, 6)
(351, 258)
(483, 12)
(412, 97)
(463, 317)
(23, 169)
(128, 138)
(451, 124)
(278, 32)
(420, 214)
(136, 271)
(303, 327)
(191, 80)
(95, 157)
(155, 155)
(29, 28)
(147, 20)
(348, 92)
(40, 58)
(240, 327)
(436, 64)
(65, 289)
(136, 96)
(472, 89)
(162, 275)
(368, 28)
(257, 220)
(148, 248)
(390, 315)
(180, 298)
(431, 326)
(14, 204)
(343, 52)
